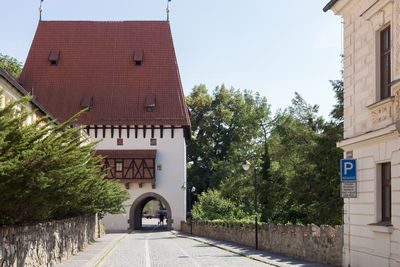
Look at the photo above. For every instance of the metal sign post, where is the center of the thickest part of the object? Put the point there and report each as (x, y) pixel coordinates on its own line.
(348, 189)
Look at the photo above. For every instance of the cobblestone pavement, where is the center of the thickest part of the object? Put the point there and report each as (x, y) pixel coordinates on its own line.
(165, 249)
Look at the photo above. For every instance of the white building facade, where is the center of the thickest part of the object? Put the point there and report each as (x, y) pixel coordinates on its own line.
(371, 129)
(166, 153)
(126, 75)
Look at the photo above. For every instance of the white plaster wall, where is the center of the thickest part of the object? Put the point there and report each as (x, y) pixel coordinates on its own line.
(364, 244)
(361, 58)
(373, 245)
(171, 154)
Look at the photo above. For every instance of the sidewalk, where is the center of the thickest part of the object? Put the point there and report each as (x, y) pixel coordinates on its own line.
(259, 255)
(93, 254)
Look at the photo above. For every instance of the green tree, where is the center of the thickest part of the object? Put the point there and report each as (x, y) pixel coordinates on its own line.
(48, 171)
(295, 151)
(337, 111)
(305, 166)
(226, 129)
(11, 64)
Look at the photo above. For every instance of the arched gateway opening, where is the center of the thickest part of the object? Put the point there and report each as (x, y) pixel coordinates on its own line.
(135, 214)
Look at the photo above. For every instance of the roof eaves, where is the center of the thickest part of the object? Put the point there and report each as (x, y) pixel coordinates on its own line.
(24, 93)
(329, 5)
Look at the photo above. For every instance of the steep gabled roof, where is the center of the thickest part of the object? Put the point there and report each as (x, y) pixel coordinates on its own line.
(77, 64)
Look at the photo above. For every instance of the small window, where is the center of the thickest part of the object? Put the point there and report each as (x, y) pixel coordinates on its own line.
(386, 192)
(385, 62)
(54, 57)
(153, 142)
(120, 142)
(87, 102)
(138, 57)
(119, 166)
(150, 103)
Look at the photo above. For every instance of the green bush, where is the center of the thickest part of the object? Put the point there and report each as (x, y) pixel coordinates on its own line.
(212, 206)
(48, 171)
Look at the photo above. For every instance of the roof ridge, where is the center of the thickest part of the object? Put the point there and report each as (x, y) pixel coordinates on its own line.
(106, 21)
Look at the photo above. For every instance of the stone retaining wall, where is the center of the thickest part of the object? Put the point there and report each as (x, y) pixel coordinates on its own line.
(312, 243)
(45, 244)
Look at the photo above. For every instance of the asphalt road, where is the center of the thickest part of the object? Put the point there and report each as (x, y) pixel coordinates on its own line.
(154, 248)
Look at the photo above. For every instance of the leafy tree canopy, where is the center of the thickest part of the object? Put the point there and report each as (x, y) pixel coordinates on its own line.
(295, 151)
(11, 64)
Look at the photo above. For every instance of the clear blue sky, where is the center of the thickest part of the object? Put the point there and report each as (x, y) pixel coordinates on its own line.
(271, 47)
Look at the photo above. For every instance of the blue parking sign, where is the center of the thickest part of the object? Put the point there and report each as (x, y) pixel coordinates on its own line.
(348, 169)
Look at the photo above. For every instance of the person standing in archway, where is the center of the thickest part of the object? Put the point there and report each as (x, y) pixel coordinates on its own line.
(161, 217)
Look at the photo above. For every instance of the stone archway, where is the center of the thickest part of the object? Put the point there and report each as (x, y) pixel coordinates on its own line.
(135, 213)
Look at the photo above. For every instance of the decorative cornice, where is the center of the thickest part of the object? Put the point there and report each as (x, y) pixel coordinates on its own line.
(369, 137)
(375, 8)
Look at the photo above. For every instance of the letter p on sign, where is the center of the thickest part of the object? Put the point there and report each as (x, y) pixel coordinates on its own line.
(348, 170)
(348, 166)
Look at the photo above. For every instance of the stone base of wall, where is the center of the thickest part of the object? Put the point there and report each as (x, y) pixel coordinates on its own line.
(46, 244)
(311, 243)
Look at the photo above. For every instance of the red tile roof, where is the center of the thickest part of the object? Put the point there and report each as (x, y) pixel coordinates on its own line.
(97, 60)
(132, 154)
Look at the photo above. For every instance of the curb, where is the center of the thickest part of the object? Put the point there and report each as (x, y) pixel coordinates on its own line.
(207, 241)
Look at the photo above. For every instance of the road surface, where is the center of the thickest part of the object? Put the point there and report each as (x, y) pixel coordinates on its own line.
(152, 248)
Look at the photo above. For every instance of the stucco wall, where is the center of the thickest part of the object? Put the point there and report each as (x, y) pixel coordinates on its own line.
(171, 157)
(369, 244)
(369, 130)
(312, 243)
(362, 22)
(45, 244)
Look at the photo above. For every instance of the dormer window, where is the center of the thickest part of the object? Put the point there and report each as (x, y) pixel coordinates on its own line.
(150, 103)
(54, 57)
(138, 58)
(87, 102)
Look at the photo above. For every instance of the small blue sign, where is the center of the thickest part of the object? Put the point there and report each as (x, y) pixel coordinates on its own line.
(348, 169)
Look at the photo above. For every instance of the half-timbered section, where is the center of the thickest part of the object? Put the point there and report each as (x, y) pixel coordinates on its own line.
(126, 76)
(129, 166)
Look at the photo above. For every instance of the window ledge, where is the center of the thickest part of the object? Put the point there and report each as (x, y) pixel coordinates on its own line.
(381, 102)
(381, 227)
